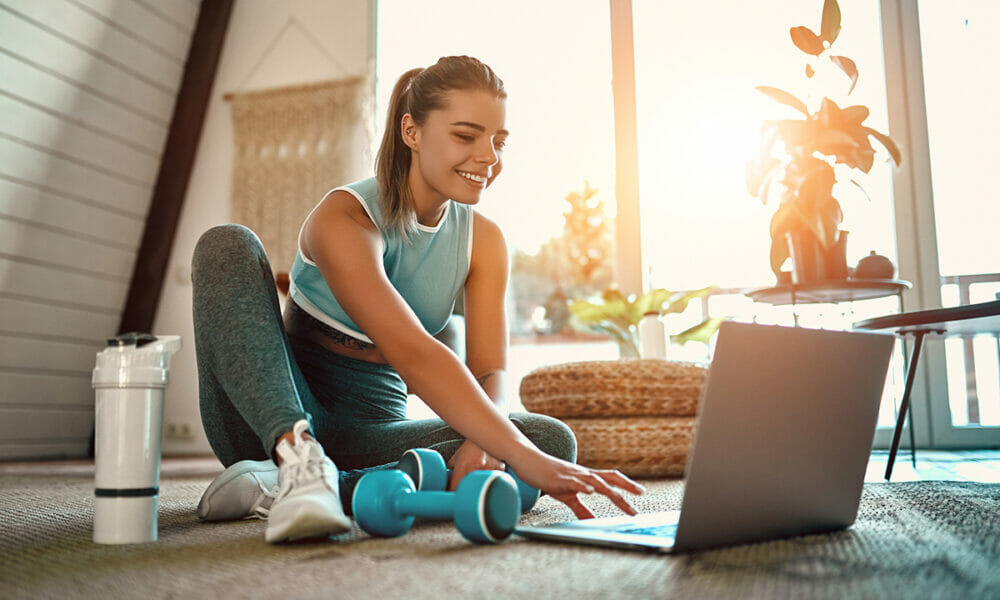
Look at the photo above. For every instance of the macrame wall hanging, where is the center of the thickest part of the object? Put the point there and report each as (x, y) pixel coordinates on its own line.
(294, 144)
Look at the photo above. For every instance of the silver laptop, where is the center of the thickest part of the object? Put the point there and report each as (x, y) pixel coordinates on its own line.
(781, 444)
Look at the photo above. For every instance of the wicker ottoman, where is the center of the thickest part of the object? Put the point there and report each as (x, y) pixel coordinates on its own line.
(636, 416)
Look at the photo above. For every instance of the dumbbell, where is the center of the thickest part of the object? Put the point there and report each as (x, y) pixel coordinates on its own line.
(428, 471)
(484, 507)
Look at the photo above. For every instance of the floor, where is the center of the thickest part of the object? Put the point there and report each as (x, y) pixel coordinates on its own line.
(951, 465)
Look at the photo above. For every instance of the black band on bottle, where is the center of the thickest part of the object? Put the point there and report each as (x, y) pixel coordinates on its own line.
(126, 492)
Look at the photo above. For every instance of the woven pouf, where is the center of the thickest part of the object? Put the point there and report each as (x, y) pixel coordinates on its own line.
(636, 416)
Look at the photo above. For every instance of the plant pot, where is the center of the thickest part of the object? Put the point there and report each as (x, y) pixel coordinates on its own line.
(836, 258)
(808, 257)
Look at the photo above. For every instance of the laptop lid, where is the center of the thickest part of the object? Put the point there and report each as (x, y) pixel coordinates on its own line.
(784, 434)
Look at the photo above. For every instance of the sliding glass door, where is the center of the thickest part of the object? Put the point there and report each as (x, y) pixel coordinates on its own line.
(956, 40)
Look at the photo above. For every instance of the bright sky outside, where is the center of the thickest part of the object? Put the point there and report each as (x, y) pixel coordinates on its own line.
(960, 51)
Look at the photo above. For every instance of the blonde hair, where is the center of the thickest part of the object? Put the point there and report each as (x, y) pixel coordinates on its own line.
(418, 92)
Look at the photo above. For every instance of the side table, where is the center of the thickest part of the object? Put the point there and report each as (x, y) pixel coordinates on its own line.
(832, 291)
(967, 320)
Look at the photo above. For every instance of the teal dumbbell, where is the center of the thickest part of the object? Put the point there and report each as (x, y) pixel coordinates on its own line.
(484, 507)
(428, 471)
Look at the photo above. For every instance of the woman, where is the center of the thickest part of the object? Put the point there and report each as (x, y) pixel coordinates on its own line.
(379, 266)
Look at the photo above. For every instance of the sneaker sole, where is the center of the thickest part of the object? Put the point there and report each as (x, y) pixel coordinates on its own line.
(235, 470)
(307, 521)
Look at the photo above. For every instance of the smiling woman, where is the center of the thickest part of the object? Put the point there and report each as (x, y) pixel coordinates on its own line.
(379, 265)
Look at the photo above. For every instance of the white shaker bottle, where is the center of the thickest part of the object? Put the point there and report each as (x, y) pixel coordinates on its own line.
(129, 379)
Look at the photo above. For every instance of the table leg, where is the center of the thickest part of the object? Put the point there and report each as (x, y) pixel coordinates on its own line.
(904, 406)
(913, 443)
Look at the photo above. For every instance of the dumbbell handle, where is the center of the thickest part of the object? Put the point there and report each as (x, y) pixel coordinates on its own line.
(427, 468)
(429, 505)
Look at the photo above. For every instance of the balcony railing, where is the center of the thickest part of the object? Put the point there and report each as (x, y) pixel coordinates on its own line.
(973, 363)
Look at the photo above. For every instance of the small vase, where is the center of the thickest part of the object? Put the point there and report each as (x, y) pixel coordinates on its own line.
(808, 258)
(875, 266)
(652, 339)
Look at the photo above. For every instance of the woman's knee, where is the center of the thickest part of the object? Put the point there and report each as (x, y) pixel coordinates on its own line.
(552, 436)
(224, 246)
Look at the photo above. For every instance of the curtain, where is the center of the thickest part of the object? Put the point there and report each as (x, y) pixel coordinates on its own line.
(293, 144)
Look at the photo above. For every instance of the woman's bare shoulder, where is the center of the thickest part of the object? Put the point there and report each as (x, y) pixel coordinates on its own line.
(340, 204)
(488, 243)
(338, 212)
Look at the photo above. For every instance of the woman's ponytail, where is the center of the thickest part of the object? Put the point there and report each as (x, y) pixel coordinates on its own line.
(392, 163)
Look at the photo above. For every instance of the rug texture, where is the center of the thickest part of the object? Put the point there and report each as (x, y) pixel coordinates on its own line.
(913, 540)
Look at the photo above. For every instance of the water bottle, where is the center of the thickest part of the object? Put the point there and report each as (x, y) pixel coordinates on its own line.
(129, 379)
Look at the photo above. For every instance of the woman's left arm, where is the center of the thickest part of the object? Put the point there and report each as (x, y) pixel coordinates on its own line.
(485, 333)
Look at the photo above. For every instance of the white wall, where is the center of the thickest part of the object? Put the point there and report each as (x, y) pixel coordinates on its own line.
(87, 90)
(263, 49)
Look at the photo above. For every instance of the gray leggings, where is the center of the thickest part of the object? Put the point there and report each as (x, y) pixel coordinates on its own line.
(255, 381)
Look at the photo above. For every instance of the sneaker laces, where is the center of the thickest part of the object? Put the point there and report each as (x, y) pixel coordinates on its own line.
(302, 463)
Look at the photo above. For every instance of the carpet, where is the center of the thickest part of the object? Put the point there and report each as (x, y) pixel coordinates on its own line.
(918, 540)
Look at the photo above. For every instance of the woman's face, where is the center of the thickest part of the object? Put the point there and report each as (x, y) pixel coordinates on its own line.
(457, 152)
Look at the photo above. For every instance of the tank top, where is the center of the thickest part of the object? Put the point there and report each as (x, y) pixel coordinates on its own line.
(428, 269)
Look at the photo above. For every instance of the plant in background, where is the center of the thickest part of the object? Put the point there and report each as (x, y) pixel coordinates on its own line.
(813, 149)
(577, 262)
(619, 317)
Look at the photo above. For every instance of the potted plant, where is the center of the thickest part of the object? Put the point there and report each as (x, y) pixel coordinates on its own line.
(619, 317)
(805, 156)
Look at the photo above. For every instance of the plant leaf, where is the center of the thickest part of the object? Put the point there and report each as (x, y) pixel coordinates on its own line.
(612, 294)
(866, 158)
(830, 27)
(784, 98)
(759, 173)
(591, 313)
(806, 41)
(888, 143)
(680, 304)
(784, 219)
(849, 67)
(701, 332)
(854, 115)
(779, 253)
(651, 302)
(863, 191)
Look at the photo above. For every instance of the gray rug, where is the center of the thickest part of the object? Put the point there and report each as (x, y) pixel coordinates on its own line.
(913, 540)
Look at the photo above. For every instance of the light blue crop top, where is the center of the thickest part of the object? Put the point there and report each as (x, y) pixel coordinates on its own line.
(428, 270)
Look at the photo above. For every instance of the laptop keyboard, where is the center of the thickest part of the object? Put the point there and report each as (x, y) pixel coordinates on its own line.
(657, 530)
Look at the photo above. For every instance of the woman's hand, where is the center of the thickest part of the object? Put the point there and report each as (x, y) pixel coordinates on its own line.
(469, 458)
(565, 481)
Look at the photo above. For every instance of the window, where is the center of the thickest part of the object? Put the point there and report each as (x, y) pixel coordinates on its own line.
(962, 128)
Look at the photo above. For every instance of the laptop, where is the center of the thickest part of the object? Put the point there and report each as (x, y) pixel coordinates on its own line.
(781, 444)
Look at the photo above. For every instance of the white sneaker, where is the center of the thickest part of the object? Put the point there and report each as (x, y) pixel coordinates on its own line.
(308, 500)
(245, 490)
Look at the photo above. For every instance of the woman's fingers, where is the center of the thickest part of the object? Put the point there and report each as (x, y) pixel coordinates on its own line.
(600, 482)
(576, 505)
(601, 487)
(618, 479)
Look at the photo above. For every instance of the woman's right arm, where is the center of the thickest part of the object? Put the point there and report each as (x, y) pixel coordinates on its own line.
(347, 247)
